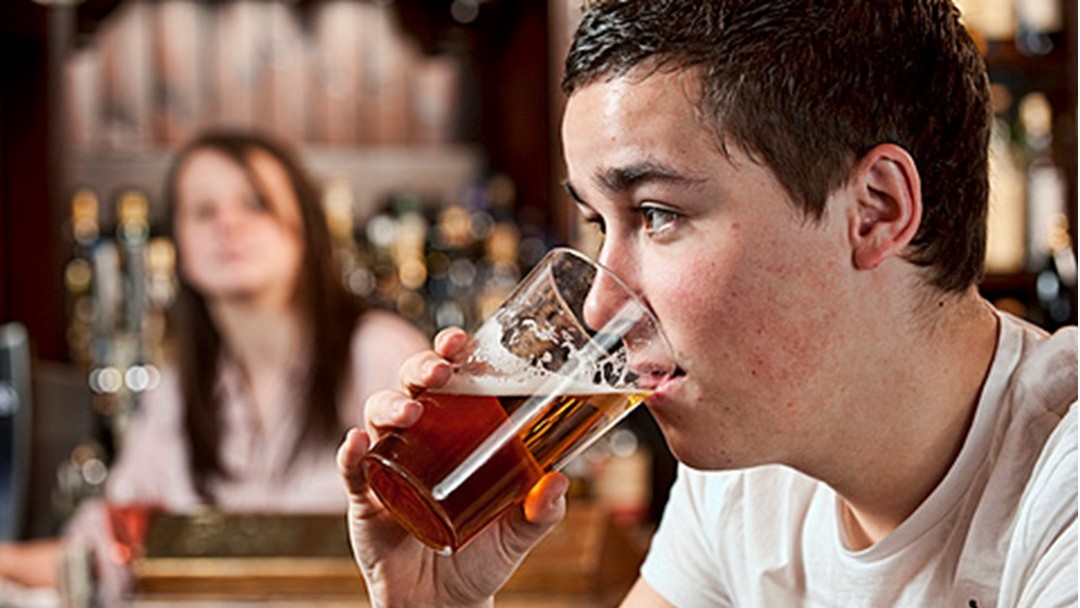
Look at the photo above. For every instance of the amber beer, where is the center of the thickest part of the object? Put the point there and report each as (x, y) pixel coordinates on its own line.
(407, 466)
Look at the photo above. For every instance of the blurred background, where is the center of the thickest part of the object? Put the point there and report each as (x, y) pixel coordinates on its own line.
(432, 127)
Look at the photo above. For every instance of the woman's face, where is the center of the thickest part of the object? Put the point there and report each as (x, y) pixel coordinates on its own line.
(234, 244)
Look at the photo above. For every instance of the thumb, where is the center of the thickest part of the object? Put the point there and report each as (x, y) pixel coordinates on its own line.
(349, 455)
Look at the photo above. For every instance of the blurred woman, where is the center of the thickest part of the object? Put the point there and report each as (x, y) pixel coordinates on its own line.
(274, 358)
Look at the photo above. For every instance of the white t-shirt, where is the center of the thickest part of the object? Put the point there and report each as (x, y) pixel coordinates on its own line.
(1000, 529)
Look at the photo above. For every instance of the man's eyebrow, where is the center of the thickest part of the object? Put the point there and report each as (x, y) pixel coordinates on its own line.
(621, 179)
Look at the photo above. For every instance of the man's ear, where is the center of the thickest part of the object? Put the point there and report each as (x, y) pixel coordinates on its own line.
(888, 205)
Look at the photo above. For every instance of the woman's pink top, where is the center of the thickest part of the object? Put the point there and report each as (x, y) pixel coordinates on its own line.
(152, 465)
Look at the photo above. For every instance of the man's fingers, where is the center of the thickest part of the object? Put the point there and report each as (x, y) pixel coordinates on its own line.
(544, 507)
(423, 371)
(350, 453)
(390, 409)
(546, 502)
(450, 343)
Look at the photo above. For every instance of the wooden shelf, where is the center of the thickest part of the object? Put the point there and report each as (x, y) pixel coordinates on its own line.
(438, 171)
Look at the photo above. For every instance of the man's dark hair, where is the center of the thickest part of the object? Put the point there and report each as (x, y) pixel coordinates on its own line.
(810, 86)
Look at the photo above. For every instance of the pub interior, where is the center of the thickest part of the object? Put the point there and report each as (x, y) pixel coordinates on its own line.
(431, 127)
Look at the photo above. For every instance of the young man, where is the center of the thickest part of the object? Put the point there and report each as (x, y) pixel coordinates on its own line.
(799, 191)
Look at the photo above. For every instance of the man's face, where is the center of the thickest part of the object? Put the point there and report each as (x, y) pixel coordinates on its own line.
(750, 293)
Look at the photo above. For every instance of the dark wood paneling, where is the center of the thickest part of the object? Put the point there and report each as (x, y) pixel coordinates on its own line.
(29, 231)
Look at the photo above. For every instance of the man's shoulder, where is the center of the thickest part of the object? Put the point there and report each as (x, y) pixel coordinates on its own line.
(1044, 379)
(1056, 467)
(1041, 445)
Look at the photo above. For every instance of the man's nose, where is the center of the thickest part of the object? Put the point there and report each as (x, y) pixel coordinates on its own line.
(607, 296)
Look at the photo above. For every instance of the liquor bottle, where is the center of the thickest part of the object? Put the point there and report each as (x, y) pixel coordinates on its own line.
(79, 274)
(133, 231)
(161, 287)
(451, 265)
(1038, 26)
(502, 245)
(407, 254)
(1005, 236)
(1055, 283)
(991, 19)
(85, 218)
(127, 350)
(1045, 184)
(339, 205)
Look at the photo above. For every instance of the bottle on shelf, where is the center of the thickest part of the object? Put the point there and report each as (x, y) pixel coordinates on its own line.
(1038, 26)
(79, 274)
(1055, 283)
(993, 20)
(1005, 234)
(1045, 182)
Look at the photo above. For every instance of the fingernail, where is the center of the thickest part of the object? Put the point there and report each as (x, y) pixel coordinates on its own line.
(429, 367)
(436, 369)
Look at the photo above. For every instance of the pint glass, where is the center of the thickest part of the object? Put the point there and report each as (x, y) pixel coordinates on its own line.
(569, 353)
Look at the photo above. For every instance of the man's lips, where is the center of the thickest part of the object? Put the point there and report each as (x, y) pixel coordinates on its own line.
(666, 388)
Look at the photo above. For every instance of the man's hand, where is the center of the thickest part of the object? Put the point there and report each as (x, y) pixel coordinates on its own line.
(398, 569)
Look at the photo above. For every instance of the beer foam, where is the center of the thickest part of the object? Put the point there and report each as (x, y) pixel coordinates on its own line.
(492, 386)
(495, 369)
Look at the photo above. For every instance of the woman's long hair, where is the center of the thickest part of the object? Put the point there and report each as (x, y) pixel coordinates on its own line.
(328, 311)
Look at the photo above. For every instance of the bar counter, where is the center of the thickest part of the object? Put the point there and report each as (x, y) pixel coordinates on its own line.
(212, 560)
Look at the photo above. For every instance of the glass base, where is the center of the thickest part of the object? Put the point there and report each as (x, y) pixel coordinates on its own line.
(410, 503)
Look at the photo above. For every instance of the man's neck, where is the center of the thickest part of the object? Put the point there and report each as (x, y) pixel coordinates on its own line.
(915, 421)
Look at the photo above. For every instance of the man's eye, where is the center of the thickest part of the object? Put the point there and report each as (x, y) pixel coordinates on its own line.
(595, 222)
(657, 219)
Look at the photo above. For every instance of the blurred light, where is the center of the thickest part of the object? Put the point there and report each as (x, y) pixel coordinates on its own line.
(465, 11)
(361, 282)
(531, 250)
(155, 377)
(412, 274)
(78, 275)
(137, 378)
(9, 399)
(81, 454)
(462, 273)
(94, 471)
(380, 230)
(1047, 285)
(623, 442)
(92, 380)
(449, 314)
(411, 304)
(109, 380)
(482, 222)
